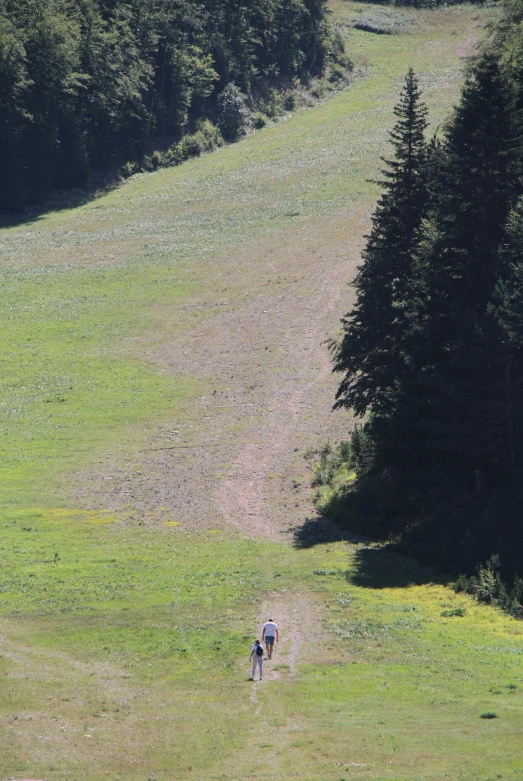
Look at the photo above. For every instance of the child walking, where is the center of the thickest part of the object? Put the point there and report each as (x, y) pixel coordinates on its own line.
(257, 659)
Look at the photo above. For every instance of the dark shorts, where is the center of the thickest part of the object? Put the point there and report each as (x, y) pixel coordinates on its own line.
(269, 639)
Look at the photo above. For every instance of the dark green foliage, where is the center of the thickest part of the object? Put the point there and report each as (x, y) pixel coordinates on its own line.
(457, 611)
(232, 113)
(362, 451)
(440, 459)
(487, 586)
(206, 138)
(259, 120)
(369, 354)
(13, 85)
(90, 84)
(421, 3)
(451, 408)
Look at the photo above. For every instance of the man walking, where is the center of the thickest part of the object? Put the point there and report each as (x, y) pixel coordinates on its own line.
(257, 658)
(269, 634)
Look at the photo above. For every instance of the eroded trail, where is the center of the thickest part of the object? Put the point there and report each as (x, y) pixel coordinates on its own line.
(303, 640)
(262, 493)
(237, 459)
(252, 334)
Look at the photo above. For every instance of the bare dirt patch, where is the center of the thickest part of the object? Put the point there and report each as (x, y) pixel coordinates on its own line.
(257, 346)
(253, 336)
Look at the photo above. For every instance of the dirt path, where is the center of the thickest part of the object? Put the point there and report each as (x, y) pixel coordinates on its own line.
(298, 618)
(236, 460)
(253, 496)
(253, 337)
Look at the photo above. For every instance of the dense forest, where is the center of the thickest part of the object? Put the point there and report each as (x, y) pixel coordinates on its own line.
(431, 357)
(421, 3)
(87, 84)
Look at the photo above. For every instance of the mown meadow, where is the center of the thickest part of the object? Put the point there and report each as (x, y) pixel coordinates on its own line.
(124, 644)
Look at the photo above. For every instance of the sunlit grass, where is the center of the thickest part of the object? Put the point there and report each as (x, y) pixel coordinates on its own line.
(81, 286)
(144, 633)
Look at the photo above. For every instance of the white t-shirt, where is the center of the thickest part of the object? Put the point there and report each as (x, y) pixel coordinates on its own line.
(270, 629)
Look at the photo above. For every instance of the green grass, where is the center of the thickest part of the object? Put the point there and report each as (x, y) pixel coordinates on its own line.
(140, 639)
(85, 289)
(124, 648)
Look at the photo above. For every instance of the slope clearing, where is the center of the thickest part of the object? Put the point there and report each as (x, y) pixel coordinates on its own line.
(162, 376)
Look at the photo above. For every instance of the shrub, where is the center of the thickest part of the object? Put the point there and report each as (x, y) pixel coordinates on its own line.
(369, 27)
(362, 447)
(487, 586)
(331, 461)
(206, 138)
(324, 471)
(211, 135)
(337, 74)
(345, 453)
(274, 104)
(128, 170)
(259, 120)
(156, 160)
(318, 89)
(289, 103)
(489, 715)
(457, 611)
(232, 113)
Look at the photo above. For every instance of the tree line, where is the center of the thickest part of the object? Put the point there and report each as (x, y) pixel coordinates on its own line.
(86, 84)
(431, 356)
(421, 3)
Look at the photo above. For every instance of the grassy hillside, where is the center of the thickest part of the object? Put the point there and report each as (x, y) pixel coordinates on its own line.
(162, 376)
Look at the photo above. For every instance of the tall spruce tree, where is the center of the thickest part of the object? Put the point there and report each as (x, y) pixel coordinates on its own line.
(454, 345)
(369, 354)
(506, 308)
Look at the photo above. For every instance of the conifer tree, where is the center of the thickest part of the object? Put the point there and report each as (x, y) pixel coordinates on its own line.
(477, 185)
(506, 308)
(454, 345)
(479, 413)
(369, 353)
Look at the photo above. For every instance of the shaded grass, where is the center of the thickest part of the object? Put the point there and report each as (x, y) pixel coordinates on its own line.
(379, 567)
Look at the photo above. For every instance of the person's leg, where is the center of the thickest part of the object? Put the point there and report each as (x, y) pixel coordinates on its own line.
(260, 663)
(253, 667)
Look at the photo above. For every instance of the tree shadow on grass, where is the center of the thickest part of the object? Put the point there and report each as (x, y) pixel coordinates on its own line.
(375, 566)
(320, 530)
(383, 567)
(61, 200)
